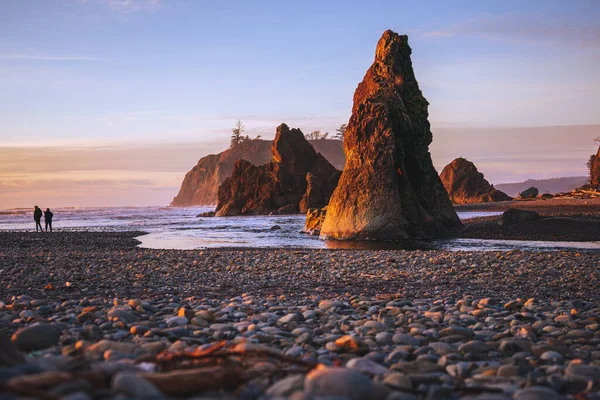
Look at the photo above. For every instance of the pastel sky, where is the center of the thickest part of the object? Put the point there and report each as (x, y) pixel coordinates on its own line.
(110, 102)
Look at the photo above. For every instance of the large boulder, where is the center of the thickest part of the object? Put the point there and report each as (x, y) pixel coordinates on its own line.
(530, 193)
(389, 188)
(297, 178)
(201, 183)
(514, 215)
(466, 185)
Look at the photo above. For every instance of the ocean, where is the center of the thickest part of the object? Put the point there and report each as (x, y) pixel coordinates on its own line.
(180, 228)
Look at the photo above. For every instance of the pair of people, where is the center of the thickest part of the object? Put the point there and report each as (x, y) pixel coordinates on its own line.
(37, 217)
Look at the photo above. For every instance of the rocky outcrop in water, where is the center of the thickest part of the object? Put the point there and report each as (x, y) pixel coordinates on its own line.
(466, 185)
(297, 178)
(389, 188)
(201, 183)
(530, 193)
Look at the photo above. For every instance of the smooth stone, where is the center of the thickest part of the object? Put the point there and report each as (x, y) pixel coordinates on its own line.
(329, 304)
(403, 338)
(397, 355)
(441, 348)
(138, 329)
(343, 382)
(398, 381)
(286, 386)
(507, 371)
(289, 318)
(367, 366)
(352, 344)
(36, 337)
(474, 347)
(552, 356)
(384, 338)
(206, 315)
(587, 371)
(121, 314)
(174, 322)
(536, 393)
(135, 386)
(98, 349)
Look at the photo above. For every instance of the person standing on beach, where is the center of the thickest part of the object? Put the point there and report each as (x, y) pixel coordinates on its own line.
(48, 219)
(37, 217)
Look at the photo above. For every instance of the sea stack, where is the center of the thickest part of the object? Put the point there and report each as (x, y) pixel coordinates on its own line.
(201, 184)
(296, 179)
(389, 189)
(466, 185)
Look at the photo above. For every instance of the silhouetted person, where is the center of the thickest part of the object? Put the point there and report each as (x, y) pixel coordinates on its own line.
(48, 219)
(37, 217)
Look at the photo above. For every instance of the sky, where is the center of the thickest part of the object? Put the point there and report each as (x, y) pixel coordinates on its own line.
(111, 102)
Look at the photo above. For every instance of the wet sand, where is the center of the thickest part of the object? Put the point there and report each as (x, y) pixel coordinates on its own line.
(561, 206)
(565, 219)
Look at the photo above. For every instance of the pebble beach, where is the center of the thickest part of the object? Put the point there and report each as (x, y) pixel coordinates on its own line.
(87, 315)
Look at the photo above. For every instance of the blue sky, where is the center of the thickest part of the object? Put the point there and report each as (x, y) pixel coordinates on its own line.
(145, 72)
(153, 70)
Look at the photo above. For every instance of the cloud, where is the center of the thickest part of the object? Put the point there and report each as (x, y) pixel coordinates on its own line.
(524, 28)
(40, 57)
(127, 6)
(123, 6)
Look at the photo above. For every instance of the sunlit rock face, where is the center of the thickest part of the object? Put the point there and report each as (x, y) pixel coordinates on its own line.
(466, 185)
(297, 178)
(389, 188)
(201, 183)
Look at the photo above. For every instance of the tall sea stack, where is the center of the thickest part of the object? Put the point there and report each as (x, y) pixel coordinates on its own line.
(389, 188)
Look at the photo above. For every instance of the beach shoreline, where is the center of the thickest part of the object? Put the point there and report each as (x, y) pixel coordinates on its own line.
(97, 301)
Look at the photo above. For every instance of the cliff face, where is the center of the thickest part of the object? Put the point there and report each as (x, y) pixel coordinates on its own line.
(389, 188)
(201, 183)
(296, 178)
(465, 184)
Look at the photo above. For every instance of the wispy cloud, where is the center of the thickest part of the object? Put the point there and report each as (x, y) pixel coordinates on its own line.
(127, 6)
(42, 57)
(123, 6)
(524, 28)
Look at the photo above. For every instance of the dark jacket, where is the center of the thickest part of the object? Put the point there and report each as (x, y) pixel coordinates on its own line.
(48, 215)
(37, 214)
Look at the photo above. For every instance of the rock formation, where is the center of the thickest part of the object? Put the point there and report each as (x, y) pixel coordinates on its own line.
(389, 188)
(466, 185)
(530, 193)
(297, 178)
(201, 183)
(314, 220)
(595, 172)
(514, 216)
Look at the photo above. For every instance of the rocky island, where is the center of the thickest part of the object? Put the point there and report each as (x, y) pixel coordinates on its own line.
(201, 184)
(296, 179)
(389, 188)
(465, 184)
